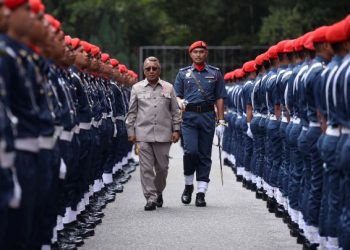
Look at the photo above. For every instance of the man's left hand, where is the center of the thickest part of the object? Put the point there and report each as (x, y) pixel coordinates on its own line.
(175, 136)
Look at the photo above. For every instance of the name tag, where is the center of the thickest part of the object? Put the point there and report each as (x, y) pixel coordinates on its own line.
(210, 77)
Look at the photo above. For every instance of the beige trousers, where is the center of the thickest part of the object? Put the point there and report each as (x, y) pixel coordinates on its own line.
(154, 165)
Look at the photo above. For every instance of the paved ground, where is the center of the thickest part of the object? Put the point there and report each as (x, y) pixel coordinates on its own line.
(233, 219)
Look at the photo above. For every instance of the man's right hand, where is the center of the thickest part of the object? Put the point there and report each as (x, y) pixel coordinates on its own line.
(132, 139)
(181, 103)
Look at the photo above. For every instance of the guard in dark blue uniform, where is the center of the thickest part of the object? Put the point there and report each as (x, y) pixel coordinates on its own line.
(332, 198)
(249, 159)
(198, 88)
(343, 83)
(312, 85)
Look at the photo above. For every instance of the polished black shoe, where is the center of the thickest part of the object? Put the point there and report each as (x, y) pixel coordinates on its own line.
(301, 238)
(239, 178)
(64, 237)
(279, 211)
(310, 246)
(286, 217)
(159, 201)
(63, 246)
(187, 194)
(81, 232)
(259, 193)
(271, 204)
(150, 206)
(200, 200)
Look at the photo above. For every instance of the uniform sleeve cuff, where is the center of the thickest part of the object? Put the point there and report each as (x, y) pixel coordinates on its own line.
(131, 132)
(176, 127)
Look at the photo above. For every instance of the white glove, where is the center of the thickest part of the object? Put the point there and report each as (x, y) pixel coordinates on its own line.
(63, 170)
(249, 131)
(182, 103)
(220, 128)
(17, 191)
(115, 130)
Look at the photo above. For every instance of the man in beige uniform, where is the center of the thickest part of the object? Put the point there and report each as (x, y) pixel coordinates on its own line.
(153, 121)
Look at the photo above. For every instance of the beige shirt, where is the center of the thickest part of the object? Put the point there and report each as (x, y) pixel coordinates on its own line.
(153, 112)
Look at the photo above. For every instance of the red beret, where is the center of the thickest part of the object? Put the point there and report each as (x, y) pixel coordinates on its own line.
(67, 39)
(42, 8)
(86, 46)
(298, 44)
(104, 57)
(35, 5)
(75, 42)
(319, 34)
(227, 76)
(347, 26)
(306, 40)
(12, 4)
(239, 73)
(123, 69)
(308, 44)
(289, 46)
(249, 66)
(198, 44)
(272, 52)
(336, 33)
(95, 50)
(114, 62)
(259, 59)
(280, 46)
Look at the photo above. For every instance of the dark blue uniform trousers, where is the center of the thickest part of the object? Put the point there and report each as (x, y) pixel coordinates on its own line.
(47, 196)
(344, 236)
(284, 158)
(239, 144)
(314, 202)
(287, 162)
(296, 167)
(198, 132)
(257, 163)
(333, 173)
(274, 138)
(306, 173)
(6, 192)
(21, 221)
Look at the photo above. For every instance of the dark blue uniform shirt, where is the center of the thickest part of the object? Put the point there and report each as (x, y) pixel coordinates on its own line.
(211, 80)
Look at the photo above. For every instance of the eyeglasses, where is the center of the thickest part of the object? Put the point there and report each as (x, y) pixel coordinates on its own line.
(151, 68)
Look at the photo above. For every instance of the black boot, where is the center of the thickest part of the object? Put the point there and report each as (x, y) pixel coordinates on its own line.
(187, 194)
(150, 206)
(200, 200)
(159, 201)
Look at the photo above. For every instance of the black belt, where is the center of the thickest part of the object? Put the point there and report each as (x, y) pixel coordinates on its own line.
(199, 108)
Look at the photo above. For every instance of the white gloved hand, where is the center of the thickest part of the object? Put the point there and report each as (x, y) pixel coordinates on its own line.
(220, 128)
(15, 201)
(63, 170)
(249, 131)
(115, 131)
(182, 104)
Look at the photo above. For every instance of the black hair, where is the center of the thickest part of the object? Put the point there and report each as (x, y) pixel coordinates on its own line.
(337, 47)
(266, 64)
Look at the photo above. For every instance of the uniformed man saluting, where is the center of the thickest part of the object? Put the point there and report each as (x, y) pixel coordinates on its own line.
(198, 87)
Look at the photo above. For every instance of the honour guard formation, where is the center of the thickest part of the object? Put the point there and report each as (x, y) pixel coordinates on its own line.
(67, 133)
(64, 151)
(288, 115)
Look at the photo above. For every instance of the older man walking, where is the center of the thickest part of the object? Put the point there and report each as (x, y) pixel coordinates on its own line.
(153, 121)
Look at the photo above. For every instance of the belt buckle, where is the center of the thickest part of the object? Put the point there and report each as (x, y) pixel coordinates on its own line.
(199, 109)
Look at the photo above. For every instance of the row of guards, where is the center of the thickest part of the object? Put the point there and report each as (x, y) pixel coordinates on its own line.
(288, 136)
(64, 152)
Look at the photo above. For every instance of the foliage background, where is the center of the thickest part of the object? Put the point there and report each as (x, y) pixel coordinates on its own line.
(119, 27)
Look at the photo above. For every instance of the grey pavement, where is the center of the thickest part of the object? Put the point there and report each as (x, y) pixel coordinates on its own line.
(233, 218)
